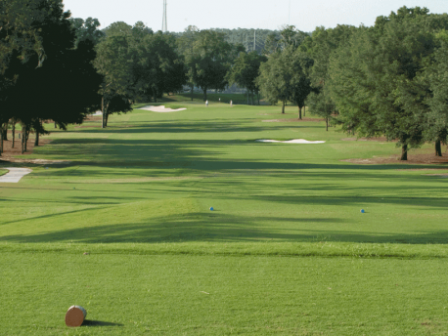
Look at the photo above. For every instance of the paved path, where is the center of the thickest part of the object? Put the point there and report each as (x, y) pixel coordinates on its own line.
(14, 175)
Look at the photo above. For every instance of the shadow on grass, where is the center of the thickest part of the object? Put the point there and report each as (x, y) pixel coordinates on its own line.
(92, 323)
(209, 227)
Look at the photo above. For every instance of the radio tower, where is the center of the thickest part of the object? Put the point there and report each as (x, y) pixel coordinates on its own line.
(165, 18)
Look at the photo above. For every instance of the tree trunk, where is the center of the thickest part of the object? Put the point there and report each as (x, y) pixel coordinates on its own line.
(283, 107)
(36, 141)
(27, 137)
(104, 113)
(300, 112)
(1, 145)
(438, 148)
(404, 153)
(326, 123)
(5, 132)
(205, 94)
(107, 118)
(23, 139)
(192, 92)
(55, 125)
(13, 134)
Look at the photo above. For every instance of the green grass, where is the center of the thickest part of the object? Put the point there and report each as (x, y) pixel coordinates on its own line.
(287, 227)
(3, 172)
(237, 98)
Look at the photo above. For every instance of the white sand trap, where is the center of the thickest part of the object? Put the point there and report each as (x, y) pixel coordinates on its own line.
(14, 175)
(295, 141)
(161, 109)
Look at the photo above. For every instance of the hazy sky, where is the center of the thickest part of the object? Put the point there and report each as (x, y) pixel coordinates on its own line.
(267, 14)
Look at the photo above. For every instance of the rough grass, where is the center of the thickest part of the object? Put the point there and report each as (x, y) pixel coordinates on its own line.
(286, 227)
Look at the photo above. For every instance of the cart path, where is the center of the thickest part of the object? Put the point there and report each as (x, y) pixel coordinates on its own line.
(14, 175)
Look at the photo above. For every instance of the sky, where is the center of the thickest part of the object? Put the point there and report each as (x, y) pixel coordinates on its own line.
(306, 15)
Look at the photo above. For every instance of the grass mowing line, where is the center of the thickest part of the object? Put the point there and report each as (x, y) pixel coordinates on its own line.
(225, 249)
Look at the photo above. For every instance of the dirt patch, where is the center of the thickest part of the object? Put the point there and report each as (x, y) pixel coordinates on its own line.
(423, 169)
(99, 126)
(35, 161)
(412, 159)
(89, 126)
(295, 120)
(94, 118)
(15, 154)
(17, 150)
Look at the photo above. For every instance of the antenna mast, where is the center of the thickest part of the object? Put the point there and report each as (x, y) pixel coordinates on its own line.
(165, 17)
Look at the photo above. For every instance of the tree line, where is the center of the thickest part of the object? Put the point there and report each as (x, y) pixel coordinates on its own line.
(55, 68)
(386, 80)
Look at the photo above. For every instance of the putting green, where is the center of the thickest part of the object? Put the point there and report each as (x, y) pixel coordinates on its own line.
(142, 188)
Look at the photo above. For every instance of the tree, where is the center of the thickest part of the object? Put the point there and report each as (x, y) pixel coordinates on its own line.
(322, 105)
(19, 31)
(300, 66)
(433, 97)
(114, 63)
(209, 60)
(288, 37)
(398, 49)
(275, 79)
(350, 87)
(245, 71)
(158, 69)
(185, 47)
(87, 30)
(380, 69)
(320, 47)
(49, 89)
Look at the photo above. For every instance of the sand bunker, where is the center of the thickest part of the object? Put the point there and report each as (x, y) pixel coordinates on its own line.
(161, 109)
(295, 141)
(14, 175)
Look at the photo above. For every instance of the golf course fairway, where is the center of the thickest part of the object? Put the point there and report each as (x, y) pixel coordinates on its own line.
(123, 228)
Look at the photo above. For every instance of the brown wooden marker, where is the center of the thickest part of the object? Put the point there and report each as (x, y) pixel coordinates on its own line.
(75, 316)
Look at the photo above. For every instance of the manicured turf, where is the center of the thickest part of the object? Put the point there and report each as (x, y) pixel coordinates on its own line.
(286, 227)
(184, 295)
(3, 172)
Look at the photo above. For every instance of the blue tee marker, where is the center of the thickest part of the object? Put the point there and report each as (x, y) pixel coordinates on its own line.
(362, 211)
(211, 209)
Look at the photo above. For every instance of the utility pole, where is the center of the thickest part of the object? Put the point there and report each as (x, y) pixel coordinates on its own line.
(165, 17)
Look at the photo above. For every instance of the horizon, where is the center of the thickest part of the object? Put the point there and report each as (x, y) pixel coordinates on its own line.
(251, 14)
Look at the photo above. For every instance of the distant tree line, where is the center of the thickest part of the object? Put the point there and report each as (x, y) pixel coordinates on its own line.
(387, 80)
